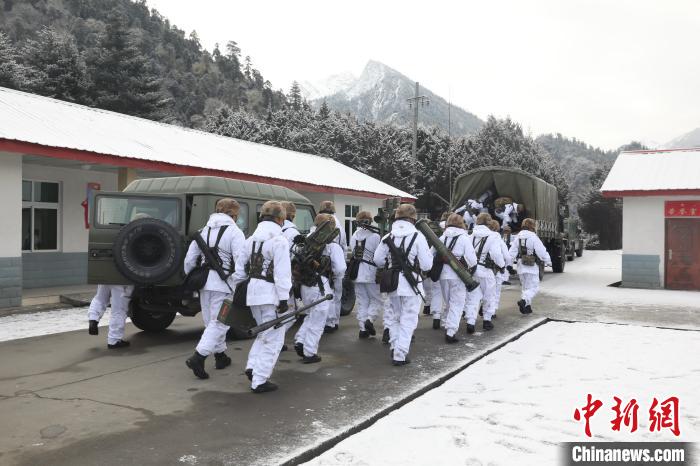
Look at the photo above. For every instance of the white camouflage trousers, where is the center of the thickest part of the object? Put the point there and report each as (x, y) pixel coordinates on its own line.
(311, 330)
(437, 300)
(99, 302)
(455, 294)
(484, 292)
(267, 345)
(369, 302)
(530, 286)
(404, 320)
(120, 296)
(213, 338)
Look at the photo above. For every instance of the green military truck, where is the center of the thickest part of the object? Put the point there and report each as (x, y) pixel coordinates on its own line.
(140, 237)
(560, 234)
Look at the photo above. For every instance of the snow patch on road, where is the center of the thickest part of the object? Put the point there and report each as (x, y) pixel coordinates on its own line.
(589, 277)
(46, 323)
(519, 401)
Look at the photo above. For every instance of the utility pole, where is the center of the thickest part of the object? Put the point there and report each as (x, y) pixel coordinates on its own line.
(414, 103)
(449, 144)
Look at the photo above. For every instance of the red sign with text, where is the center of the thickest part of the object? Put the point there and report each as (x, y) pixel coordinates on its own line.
(682, 209)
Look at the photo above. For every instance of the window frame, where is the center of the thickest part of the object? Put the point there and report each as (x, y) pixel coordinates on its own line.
(32, 205)
(350, 229)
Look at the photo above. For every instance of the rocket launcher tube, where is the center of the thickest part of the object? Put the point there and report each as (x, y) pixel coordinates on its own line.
(423, 225)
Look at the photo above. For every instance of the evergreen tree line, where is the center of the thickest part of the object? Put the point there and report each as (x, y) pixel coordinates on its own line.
(118, 55)
(384, 151)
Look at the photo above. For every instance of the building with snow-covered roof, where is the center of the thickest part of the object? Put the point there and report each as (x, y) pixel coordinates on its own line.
(660, 191)
(54, 153)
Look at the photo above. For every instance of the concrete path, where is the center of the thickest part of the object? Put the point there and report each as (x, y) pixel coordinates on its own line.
(66, 399)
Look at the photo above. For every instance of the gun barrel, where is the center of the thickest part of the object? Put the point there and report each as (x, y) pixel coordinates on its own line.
(424, 227)
(285, 318)
(366, 226)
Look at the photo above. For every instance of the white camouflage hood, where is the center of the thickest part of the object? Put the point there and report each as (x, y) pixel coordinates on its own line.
(218, 219)
(266, 230)
(402, 228)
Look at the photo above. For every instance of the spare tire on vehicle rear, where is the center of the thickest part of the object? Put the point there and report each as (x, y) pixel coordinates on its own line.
(148, 251)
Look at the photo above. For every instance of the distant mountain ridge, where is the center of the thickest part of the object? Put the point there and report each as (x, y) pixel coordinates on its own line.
(380, 94)
(690, 139)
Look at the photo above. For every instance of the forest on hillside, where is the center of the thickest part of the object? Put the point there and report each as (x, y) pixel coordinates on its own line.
(119, 55)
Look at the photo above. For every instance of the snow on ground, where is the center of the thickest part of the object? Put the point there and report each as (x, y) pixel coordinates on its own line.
(588, 278)
(516, 405)
(45, 323)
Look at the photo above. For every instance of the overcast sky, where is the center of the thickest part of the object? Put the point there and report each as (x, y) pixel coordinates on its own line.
(603, 71)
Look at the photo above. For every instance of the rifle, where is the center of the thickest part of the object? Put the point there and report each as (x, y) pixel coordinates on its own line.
(366, 226)
(286, 318)
(214, 262)
(406, 269)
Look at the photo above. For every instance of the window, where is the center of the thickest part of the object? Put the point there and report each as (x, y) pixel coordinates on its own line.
(40, 214)
(120, 210)
(242, 220)
(351, 212)
(304, 219)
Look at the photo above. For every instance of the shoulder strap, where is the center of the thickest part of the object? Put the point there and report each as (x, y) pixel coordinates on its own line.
(410, 244)
(482, 243)
(452, 243)
(218, 236)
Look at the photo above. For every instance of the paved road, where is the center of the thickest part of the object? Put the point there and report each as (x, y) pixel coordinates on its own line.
(66, 399)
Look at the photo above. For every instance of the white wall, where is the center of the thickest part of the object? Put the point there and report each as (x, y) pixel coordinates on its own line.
(74, 235)
(644, 226)
(11, 205)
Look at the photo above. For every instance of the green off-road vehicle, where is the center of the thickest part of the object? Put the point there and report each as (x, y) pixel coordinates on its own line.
(140, 237)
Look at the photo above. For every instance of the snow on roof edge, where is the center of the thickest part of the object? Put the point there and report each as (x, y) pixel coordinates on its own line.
(391, 191)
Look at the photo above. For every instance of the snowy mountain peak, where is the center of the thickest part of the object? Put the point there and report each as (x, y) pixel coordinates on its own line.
(328, 86)
(380, 93)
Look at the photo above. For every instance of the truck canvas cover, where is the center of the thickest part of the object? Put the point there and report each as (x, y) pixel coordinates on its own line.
(539, 197)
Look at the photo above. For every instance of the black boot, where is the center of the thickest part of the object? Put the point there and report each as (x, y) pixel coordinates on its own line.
(369, 326)
(92, 328)
(364, 334)
(249, 374)
(311, 359)
(470, 329)
(265, 387)
(521, 306)
(330, 328)
(481, 311)
(222, 360)
(385, 336)
(527, 310)
(451, 339)
(436, 324)
(488, 325)
(118, 344)
(400, 363)
(284, 348)
(426, 310)
(196, 363)
(299, 348)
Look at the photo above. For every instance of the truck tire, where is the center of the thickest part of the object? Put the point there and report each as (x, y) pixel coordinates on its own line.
(579, 251)
(148, 251)
(558, 256)
(150, 321)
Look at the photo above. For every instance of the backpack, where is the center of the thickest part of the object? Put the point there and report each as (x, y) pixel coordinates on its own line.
(389, 281)
(197, 278)
(525, 258)
(358, 253)
(439, 262)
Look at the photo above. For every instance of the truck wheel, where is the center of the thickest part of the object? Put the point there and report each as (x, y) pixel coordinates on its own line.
(347, 302)
(558, 258)
(150, 321)
(579, 251)
(148, 251)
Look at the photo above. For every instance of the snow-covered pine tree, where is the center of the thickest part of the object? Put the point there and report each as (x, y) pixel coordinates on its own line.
(12, 73)
(58, 66)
